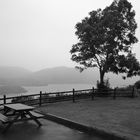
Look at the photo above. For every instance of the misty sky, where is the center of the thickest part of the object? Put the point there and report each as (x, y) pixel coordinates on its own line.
(37, 34)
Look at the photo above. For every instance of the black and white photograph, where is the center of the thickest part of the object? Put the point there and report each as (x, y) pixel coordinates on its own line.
(69, 70)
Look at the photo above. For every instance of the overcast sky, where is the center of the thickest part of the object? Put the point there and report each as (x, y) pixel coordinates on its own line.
(37, 34)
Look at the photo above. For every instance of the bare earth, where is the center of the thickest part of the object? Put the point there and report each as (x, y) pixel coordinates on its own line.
(120, 116)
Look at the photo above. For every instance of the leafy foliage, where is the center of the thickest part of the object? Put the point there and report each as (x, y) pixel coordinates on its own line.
(105, 40)
(137, 84)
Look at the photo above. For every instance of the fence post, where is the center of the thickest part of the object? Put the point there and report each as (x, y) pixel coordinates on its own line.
(4, 99)
(73, 96)
(133, 91)
(40, 98)
(92, 93)
(114, 97)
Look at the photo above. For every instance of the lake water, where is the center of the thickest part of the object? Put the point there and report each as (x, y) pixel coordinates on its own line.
(53, 88)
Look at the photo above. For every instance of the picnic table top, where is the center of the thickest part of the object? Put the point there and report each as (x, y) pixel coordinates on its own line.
(19, 106)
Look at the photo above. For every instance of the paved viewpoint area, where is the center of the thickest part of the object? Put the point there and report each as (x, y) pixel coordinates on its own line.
(49, 131)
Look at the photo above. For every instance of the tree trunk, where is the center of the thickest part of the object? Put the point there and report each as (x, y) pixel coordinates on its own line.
(102, 77)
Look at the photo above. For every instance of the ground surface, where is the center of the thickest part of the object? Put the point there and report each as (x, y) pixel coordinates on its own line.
(49, 131)
(120, 116)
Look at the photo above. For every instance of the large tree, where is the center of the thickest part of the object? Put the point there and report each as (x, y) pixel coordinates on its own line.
(105, 40)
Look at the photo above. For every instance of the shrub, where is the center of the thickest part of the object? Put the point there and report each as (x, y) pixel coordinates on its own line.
(103, 88)
(137, 84)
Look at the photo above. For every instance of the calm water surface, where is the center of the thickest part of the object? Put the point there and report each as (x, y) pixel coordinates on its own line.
(52, 88)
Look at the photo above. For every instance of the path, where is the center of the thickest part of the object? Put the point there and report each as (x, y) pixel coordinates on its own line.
(49, 131)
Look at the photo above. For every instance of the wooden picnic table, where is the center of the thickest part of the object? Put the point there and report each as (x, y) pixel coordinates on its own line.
(19, 112)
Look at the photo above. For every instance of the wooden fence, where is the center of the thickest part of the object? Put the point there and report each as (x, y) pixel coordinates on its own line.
(73, 95)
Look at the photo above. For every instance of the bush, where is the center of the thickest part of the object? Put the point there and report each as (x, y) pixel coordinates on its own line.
(126, 88)
(103, 88)
(137, 84)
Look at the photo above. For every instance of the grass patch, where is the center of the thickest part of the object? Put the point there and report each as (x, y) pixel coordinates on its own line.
(121, 116)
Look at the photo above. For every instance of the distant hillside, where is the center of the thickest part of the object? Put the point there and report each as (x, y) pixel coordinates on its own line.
(65, 75)
(60, 75)
(11, 89)
(57, 75)
(16, 76)
(13, 72)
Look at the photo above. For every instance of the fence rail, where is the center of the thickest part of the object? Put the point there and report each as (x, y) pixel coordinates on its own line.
(73, 95)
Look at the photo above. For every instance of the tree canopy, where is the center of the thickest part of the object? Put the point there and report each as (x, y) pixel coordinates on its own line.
(105, 40)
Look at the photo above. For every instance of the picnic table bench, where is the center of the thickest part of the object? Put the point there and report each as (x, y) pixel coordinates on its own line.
(19, 112)
(3, 118)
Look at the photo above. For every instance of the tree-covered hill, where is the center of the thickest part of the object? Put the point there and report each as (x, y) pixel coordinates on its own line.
(7, 89)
